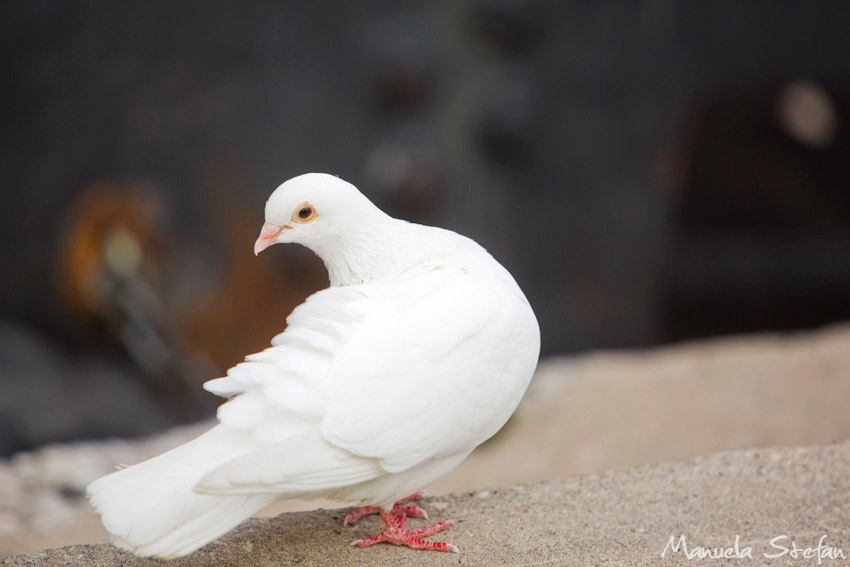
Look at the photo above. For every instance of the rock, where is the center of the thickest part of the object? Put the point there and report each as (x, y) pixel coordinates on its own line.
(629, 516)
(582, 414)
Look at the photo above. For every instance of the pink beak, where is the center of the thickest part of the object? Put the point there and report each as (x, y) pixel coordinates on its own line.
(267, 237)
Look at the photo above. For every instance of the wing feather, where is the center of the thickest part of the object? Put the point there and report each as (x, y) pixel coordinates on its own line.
(301, 465)
(435, 372)
(378, 378)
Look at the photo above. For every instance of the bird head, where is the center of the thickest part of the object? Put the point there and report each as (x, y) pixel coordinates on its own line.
(315, 210)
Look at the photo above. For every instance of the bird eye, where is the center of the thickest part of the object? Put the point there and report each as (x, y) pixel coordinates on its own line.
(304, 213)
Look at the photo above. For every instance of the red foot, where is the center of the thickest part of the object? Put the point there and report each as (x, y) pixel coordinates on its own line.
(395, 533)
(411, 511)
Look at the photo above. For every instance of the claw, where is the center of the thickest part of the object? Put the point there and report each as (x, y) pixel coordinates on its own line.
(415, 512)
(355, 515)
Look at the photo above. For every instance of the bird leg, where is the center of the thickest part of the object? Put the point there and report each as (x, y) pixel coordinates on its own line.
(395, 533)
(415, 496)
(411, 511)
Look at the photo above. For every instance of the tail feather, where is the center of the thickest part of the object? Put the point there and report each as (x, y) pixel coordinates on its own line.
(220, 518)
(151, 509)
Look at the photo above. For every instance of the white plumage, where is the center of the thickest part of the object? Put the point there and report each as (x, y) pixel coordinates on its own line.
(382, 383)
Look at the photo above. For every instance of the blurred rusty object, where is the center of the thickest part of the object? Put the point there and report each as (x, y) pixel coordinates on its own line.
(109, 228)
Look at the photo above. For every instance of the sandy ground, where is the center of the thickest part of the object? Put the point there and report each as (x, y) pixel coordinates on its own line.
(752, 506)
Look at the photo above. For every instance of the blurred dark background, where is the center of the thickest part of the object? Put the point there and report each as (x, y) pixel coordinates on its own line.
(650, 171)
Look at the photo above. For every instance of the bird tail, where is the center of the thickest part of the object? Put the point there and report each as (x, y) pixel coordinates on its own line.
(151, 509)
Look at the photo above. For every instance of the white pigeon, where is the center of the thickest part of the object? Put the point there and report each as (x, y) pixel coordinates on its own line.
(419, 351)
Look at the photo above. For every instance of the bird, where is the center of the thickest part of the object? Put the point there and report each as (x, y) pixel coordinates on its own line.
(418, 351)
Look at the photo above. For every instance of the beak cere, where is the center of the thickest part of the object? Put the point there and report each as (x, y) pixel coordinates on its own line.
(267, 237)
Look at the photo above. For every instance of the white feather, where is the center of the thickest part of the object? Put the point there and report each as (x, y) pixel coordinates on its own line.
(152, 509)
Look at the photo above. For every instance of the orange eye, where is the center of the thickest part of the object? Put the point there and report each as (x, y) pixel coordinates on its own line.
(304, 213)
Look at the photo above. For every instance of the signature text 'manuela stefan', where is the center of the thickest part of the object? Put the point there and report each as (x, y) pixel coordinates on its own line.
(780, 546)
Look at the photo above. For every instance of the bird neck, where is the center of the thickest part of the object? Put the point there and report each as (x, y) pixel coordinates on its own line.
(372, 254)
